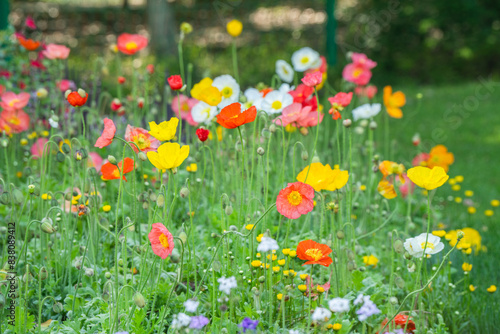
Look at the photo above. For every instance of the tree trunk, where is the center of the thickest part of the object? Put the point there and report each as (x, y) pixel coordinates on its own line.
(162, 27)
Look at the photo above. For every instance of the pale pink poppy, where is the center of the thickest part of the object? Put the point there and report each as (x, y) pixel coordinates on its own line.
(141, 138)
(407, 186)
(107, 135)
(162, 241)
(312, 79)
(369, 91)
(186, 104)
(95, 161)
(65, 84)
(14, 121)
(295, 200)
(38, 146)
(12, 101)
(55, 51)
(420, 159)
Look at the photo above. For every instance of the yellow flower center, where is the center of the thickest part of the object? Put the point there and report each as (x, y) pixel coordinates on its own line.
(314, 253)
(131, 46)
(276, 105)
(294, 198)
(430, 245)
(227, 92)
(304, 60)
(142, 141)
(11, 103)
(14, 120)
(164, 240)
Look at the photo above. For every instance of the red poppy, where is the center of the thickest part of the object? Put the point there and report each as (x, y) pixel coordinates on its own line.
(175, 82)
(400, 322)
(28, 44)
(202, 134)
(112, 172)
(77, 99)
(314, 253)
(232, 117)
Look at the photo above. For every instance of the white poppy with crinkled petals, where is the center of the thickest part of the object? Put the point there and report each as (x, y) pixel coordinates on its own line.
(305, 59)
(229, 88)
(203, 112)
(276, 101)
(284, 70)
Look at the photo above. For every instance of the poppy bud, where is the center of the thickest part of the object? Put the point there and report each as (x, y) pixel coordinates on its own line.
(260, 151)
(184, 192)
(400, 283)
(398, 246)
(175, 82)
(57, 308)
(47, 226)
(112, 159)
(43, 274)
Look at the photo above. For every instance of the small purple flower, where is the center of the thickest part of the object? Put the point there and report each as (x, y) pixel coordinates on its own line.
(249, 324)
(198, 322)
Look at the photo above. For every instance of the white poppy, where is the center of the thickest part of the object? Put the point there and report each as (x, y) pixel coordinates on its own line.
(254, 98)
(284, 70)
(415, 246)
(203, 112)
(366, 111)
(275, 101)
(305, 59)
(229, 88)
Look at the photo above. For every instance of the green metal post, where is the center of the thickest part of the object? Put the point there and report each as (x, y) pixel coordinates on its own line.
(4, 14)
(331, 27)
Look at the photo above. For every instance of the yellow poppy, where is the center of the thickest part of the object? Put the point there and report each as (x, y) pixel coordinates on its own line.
(169, 155)
(165, 130)
(428, 178)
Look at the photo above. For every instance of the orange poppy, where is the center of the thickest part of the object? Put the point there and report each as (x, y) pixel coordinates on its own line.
(393, 102)
(314, 253)
(28, 44)
(232, 117)
(112, 172)
(439, 156)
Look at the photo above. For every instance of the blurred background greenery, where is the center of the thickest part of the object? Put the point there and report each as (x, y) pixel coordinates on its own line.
(419, 42)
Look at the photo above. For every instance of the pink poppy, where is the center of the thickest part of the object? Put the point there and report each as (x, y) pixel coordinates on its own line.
(30, 22)
(340, 100)
(12, 101)
(55, 51)
(37, 148)
(162, 241)
(369, 91)
(141, 138)
(65, 84)
(186, 104)
(301, 93)
(420, 159)
(291, 114)
(312, 79)
(407, 187)
(129, 44)
(363, 60)
(357, 74)
(107, 135)
(15, 121)
(95, 161)
(295, 200)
